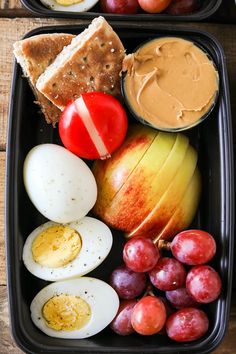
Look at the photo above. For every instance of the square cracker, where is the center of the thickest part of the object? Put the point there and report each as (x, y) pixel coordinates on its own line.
(92, 62)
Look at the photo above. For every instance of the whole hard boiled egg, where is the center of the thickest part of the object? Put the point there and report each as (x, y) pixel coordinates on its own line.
(61, 251)
(69, 5)
(60, 185)
(74, 309)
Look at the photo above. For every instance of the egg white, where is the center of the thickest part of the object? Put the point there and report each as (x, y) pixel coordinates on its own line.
(85, 5)
(100, 296)
(96, 240)
(60, 184)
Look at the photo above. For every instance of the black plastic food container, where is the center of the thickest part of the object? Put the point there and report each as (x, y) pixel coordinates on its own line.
(213, 141)
(206, 10)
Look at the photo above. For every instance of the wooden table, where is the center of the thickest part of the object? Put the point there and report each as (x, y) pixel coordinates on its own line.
(14, 23)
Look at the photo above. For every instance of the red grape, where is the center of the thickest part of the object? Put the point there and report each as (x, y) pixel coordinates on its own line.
(154, 6)
(127, 284)
(120, 6)
(187, 324)
(183, 7)
(148, 316)
(203, 283)
(180, 298)
(168, 274)
(140, 254)
(122, 322)
(193, 247)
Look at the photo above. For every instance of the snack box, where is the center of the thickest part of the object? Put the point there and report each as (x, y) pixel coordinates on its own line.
(206, 10)
(213, 141)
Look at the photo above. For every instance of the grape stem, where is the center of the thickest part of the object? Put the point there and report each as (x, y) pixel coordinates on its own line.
(163, 245)
(149, 291)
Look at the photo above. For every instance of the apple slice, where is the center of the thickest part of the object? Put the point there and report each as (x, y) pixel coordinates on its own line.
(147, 183)
(170, 200)
(184, 214)
(111, 174)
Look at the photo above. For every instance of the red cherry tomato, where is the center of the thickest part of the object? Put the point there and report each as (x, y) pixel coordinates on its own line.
(119, 6)
(93, 126)
(154, 6)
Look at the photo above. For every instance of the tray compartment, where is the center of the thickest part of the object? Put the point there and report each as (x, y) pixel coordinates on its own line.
(207, 9)
(212, 138)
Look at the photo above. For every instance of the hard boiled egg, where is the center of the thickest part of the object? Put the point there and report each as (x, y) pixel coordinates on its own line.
(59, 184)
(57, 252)
(74, 309)
(69, 5)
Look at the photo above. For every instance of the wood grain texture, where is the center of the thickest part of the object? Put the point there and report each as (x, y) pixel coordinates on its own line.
(12, 13)
(7, 344)
(14, 29)
(10, 4)
(13, 8)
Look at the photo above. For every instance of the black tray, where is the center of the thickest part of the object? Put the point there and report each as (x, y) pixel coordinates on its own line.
(207, 9)
(213, 140)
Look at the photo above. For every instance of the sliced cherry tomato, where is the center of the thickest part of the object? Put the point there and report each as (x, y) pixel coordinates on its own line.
(93, 126)
(154, 6)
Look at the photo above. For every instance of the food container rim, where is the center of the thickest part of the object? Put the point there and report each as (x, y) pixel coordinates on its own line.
(203, 14)
(20, 335)
(170, 129)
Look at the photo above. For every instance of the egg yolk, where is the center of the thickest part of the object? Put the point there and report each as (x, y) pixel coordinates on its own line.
(66, 313)
(68, 2)
(56, 246)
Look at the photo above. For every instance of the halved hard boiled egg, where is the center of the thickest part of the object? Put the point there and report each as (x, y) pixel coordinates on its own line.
(59, 184)
(61, 251)
(75, 309)
(70, 5)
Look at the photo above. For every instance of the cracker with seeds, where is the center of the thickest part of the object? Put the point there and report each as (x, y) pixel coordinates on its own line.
(35, 54)
(92, 62)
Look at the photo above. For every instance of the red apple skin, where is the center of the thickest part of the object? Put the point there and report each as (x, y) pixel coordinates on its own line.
(127, 195)
(120, 6)
(126, 158)
(146, 202)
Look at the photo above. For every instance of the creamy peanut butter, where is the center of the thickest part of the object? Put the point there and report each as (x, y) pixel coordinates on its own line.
(170, 82)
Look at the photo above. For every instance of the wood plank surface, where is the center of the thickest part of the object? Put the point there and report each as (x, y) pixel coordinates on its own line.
(13, 8)
(7, 344)
(10, 4)
(12, 13)
(14, 29)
